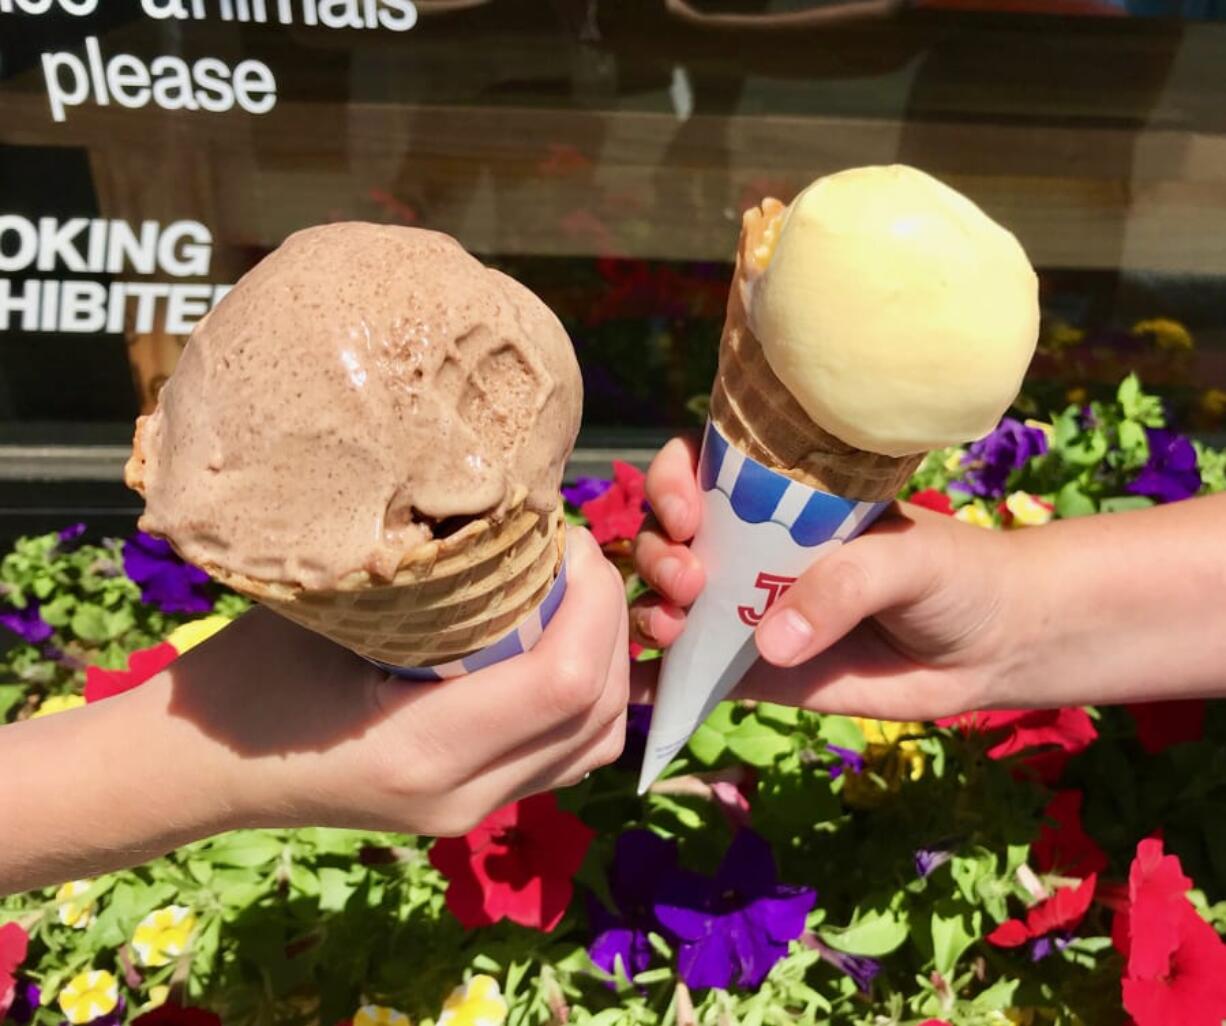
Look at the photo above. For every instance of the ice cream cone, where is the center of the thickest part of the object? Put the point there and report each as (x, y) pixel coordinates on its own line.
(779, 493)
(451, 597)
(758, 415)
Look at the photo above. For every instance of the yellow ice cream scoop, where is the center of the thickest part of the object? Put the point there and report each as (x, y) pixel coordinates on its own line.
(899, 315)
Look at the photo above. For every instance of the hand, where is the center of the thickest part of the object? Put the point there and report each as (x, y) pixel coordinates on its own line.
(909, 621)
(269, 725)
(340, 743)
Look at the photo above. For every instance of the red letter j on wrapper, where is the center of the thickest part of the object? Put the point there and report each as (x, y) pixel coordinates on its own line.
(775, 586)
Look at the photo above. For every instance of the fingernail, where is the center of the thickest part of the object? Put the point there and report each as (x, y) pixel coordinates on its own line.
(672, 509)
(784, 637)
(668, 573)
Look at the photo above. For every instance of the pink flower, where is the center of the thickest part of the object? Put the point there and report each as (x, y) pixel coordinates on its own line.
(933, 499)
(142, 664)
(518, 864)
(1162, 724)
(14, 943)
(1064, 910)
(1066, 848)
(1050, 737)
(618, 514)
(1176, 962)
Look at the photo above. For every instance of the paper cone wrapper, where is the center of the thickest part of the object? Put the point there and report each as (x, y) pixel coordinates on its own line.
(760, 530)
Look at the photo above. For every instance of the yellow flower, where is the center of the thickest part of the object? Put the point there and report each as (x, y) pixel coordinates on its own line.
(163, 934)
(1213, 402)
(1076, 395)
(1041, 425)
(189, 635)
(57, 704)
(977, 514)
(478, 1002)
(70, 911)
(953, 462)
(1028, 510)
(1062, 335)
(377, 1015)
(89, 995)
(1166, 333)
(157, 996)
(887, 757)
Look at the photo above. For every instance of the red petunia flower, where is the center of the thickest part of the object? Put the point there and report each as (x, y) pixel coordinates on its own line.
(933, 499)
(618, 513)
(176, 1015)
(142, 664)
(1062, 911)
(1162, 724)
(14, 943)
(1066, 848)
(1176, 962)
(516, 865)
(1056, 734)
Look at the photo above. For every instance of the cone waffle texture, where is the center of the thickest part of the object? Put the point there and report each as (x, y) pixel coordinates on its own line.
(757, 414)
(451, 596)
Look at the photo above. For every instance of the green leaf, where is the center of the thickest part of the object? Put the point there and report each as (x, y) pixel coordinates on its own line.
(955, 927)
(89, 623)
(784, 715)
(245, 849)
(996, 997)
(1087, 449)
(875, 934)
(1132, 438)
(11, 696)
(118, 621)
(58, 611)
(756, 743)
(841, 731)
(334, 888)
(1123, 503)
(1072, 501)
(972, 870)
(706, 744)
(1129, 393)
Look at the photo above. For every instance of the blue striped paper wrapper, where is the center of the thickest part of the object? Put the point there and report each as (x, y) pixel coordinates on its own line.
(517, 642)
(760, 530)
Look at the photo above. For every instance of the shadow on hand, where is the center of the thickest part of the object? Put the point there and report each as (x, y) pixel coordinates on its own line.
(265, 686)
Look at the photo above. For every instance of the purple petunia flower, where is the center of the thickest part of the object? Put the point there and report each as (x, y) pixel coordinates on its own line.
(640, 859)
(27, 623)
(734, 926)
(70, 537)
(165, 580)
(929, 860)
(850, 761)
(1171, 473)
(862, 969)
(1041, 947)
(638, 721)
(26, 997)
(992, 459)
(585, 489)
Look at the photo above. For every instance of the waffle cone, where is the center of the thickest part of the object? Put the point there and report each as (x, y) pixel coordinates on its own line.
(450, 596)
(756, 413)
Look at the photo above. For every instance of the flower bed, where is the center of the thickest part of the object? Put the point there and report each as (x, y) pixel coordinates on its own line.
(1008, 867)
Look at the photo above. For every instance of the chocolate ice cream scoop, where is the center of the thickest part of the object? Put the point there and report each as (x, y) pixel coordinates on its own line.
(363, 389)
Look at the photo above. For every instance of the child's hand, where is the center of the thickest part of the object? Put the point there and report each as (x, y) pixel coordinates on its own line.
(906, 622)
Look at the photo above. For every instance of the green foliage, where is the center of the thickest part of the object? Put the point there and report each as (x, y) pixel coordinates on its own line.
(303, 926)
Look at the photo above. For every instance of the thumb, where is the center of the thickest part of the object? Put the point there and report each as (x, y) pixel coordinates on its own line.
(876, 572)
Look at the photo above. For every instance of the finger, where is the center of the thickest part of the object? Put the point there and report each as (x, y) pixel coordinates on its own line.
(862, 675)
(655, 623)
(878, 571)
(516, 701)
(672, 488)
(671, 569)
